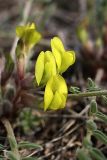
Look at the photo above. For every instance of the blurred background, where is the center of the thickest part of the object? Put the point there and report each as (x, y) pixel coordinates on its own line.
(82, 26)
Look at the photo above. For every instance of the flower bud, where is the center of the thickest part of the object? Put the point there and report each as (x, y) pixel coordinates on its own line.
(93, 107)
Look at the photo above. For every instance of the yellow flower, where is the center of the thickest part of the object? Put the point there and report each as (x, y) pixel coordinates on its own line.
(48, 67)
(55, 93)
(63, 58)
(45, 67)
(28, 34)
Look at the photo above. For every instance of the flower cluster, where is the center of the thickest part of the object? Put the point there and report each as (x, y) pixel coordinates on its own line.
(48, 69)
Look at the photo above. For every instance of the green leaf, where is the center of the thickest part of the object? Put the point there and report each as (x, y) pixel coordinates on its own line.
(91, 83)
(104, 99)
(82, 155)
(100, 136)
(12, 142)
(28, 145)
(92, 86)
(1, 147)
(96, 154)
(102, 116)
(11, 155)
(9, 63)
(91, 125)
(86, 143)
(74, 90)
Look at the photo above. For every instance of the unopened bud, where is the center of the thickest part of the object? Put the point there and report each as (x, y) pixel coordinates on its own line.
(93, 107)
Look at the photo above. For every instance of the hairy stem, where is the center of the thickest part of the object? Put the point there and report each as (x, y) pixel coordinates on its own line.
(88, 94)
(11, 137)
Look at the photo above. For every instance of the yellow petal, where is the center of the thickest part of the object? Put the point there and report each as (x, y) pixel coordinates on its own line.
(49, 67)
(32, 26)
(47, 73)
(57, 57)
(57, 50)
(32, 37)
(60, 84)
(50, 58)
(28, 34)
(39, 67)
(56, 102)
(63, 97)
(68, 59)
(20, 31)
(57, 43)
(57, 89)
(48, 95)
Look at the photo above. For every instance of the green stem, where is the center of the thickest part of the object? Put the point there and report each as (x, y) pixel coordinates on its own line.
(11, 137)
(88, 94)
